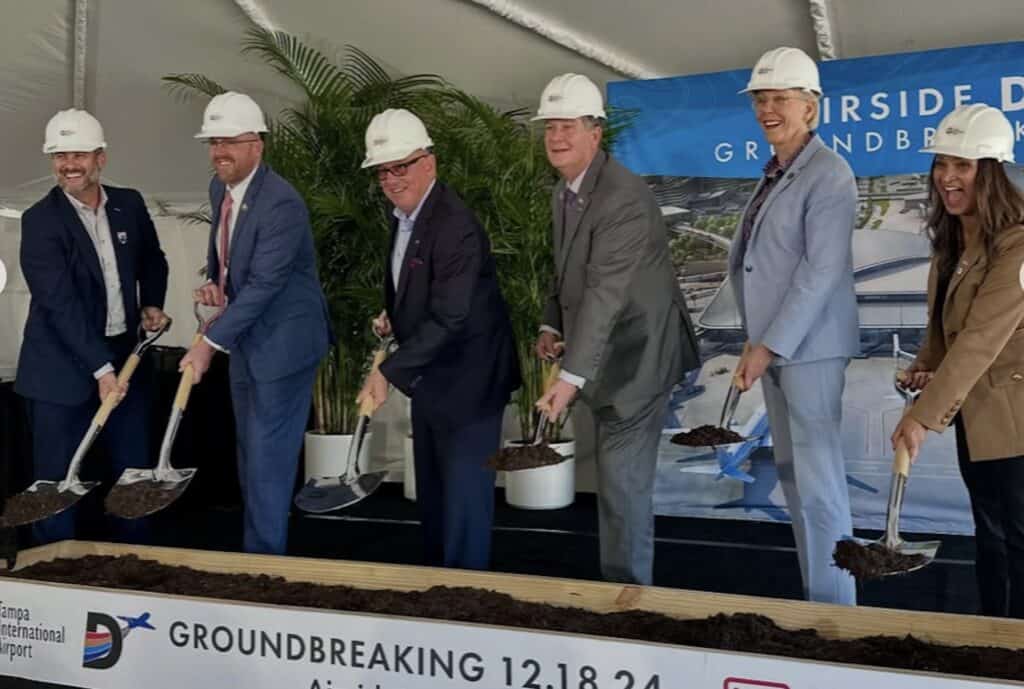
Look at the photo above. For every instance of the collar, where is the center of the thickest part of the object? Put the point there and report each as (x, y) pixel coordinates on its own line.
(574, 186)
(82, 207)
(411, 217)
(773, 168)
(238, 191)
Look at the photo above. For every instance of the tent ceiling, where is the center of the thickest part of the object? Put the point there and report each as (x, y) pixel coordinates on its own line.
(131, 44)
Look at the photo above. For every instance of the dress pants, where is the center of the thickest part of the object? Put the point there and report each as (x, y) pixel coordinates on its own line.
(996, 488)
(57, 430)
(804, 404)
(270, 420)
(627, 435)
(454, 486)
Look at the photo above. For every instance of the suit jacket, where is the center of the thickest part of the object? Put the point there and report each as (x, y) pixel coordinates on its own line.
(276, 319)
(64, 340)
(797, 294)
(456, 351)
(978, 353)
(615, 297)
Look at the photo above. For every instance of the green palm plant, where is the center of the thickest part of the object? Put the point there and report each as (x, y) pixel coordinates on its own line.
(495, 160)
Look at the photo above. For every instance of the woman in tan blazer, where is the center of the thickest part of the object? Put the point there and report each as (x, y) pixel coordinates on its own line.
(971, 366)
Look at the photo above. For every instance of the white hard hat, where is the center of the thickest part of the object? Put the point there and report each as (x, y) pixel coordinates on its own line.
(569, 96)
(784, 68)
(974, 131)
(230, 114)
(73, 130)
(393, 135)
(3, 276)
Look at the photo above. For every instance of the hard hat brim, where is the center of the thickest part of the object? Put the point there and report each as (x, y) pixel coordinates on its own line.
(392, 156)
(77, 148)
(939, 149)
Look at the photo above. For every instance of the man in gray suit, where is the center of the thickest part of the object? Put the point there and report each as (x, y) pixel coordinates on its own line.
(791, 270)
(615, 301)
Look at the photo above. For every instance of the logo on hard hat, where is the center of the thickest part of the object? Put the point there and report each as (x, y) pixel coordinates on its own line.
(554, 97)
(67, 132)
(765, 70)
(381, 141)
(215, 116)
(953, 131)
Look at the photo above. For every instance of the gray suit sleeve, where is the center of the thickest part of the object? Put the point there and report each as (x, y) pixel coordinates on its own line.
(617, 246)
(553, 309)
(828, 230)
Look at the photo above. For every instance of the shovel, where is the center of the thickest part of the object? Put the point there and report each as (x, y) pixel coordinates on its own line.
(511, 456)
(46, 498)
(921, 553)
(732, 400)
(325, 493)
(141, 492)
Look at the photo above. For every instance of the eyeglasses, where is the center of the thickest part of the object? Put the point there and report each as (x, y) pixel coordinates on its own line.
(398, 169)
(216, 143)
(761, 100)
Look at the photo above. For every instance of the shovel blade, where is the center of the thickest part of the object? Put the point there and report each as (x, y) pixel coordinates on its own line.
(329, 493)
(142, 492)
(923, 551)
(43, 499)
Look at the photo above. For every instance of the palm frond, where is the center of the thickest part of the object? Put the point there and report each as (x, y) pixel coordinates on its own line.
(304, 66)
(187, 86)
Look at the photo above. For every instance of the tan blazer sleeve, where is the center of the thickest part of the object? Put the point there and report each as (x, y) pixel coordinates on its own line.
(995, 313)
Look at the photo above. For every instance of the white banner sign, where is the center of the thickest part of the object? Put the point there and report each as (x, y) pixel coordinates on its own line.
(86, 638)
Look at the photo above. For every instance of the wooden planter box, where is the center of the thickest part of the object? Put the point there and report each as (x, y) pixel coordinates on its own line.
(200, 643)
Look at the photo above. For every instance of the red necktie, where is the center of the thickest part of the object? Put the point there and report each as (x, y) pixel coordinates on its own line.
(225, 224)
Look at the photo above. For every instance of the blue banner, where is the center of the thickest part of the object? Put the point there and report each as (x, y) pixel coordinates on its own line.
(877, 112)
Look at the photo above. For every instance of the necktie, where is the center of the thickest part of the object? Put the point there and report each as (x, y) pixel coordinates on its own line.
(222, 250)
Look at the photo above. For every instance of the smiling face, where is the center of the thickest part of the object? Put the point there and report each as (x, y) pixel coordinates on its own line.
(571, 145)
(406, 181)
(954, 180)
(784, 115)
(234, 158)
(78, 173)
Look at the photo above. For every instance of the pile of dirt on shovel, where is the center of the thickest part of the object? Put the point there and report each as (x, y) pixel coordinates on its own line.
(31, 506)
(873, 561)
(521, 457)
(739, 632)
(134, 500)
(707, 435)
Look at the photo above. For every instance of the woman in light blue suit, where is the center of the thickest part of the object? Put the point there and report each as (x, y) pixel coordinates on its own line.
(791, 270)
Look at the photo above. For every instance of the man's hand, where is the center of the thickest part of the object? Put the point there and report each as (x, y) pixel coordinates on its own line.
(153, 318)
(914, 379)
(199, 356)
(208, 295)
(108, 385)
(376, 388)
(753, 363)
(557, 399)
(911, 433)
(548, 347)
(381, 325)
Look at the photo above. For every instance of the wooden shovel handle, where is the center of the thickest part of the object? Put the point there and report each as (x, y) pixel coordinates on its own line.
(552, 376)
(901, 461)
(122, 379)
(366, 406)
(185, 385)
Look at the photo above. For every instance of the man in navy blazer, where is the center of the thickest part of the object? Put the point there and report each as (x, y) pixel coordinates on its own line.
(262, 269)
(93, 264)
(456, 357)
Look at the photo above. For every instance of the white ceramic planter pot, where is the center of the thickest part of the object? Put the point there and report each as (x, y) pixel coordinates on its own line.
(544, 488)
(327, 455)
(408, 470)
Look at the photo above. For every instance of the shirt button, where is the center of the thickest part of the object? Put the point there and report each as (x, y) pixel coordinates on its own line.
(749, 269)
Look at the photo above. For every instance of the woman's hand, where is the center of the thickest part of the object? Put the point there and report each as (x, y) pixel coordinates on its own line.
(911, 434)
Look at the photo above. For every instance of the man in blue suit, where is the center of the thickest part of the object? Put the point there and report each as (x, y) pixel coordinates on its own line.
(791, 270)
(93, 264)
(262, 268)
(456, 357)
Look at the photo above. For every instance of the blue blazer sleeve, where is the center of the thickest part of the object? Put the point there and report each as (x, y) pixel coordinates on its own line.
(44, 263)
(281, 234)
(153, 264)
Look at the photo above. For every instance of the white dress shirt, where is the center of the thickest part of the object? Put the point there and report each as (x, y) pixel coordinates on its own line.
(97, 226)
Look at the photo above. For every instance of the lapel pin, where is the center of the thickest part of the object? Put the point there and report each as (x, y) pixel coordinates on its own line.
(245, 207)
(122, 237)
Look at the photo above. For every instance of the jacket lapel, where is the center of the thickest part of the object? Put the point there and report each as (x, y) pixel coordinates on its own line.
(412, 249)
(120, 236)
(971, 258)
(574, 216)
(242, 213)
(788, 178)
(78, 232)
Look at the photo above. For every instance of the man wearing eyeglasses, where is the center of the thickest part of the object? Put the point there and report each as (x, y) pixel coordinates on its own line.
(262, 269)
(456, 358)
